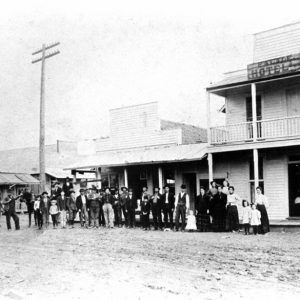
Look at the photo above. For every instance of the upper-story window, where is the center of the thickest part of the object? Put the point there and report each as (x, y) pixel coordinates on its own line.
(249, 108)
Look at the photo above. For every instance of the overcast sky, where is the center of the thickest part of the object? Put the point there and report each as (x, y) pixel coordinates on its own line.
(118, 53)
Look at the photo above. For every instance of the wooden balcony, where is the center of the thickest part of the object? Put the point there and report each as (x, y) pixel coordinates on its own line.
(269, 129)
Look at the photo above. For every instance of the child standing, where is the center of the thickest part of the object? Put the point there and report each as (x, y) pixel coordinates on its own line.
(54, 213)
(38, 207)
(246, 215)
(255, 218)
(191, 222)
(145, 211)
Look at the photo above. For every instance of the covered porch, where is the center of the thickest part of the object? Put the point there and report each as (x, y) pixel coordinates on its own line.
(151, 167)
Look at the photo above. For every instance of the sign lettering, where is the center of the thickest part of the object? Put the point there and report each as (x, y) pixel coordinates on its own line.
(273, 67)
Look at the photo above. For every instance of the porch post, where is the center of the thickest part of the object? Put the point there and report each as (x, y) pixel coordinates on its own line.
(255, 164)
(160, 179)
(98, 176)
(210, 167)
(254, 112)
(208, 117)
(125, 177)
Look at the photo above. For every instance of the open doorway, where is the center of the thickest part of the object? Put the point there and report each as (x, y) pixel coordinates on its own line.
(294, 189)
(190, 180)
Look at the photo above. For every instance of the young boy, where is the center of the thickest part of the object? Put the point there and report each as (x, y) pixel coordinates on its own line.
(53, 210)
(145, 211)
(255, 218)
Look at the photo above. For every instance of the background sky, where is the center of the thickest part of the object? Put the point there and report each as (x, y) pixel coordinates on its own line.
(118, 53)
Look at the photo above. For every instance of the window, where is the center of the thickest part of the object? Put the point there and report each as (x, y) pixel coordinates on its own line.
(249, 108)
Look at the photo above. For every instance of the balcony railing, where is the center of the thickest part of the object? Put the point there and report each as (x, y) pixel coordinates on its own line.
(266, 129)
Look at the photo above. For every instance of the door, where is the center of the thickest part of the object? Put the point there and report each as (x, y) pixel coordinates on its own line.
(137, 178)
(294, 190)
(190, 180)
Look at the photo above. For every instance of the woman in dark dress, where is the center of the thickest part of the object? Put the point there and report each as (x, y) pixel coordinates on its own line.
(218, 210)
(202, 208)
(262, 204)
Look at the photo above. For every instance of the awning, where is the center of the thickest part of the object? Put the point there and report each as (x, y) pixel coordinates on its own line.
(167, 154)
(17, 179)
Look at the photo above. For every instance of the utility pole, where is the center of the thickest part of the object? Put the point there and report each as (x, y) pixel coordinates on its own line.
(42, 110)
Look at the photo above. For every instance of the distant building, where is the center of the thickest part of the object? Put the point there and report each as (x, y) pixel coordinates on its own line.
(26, 160)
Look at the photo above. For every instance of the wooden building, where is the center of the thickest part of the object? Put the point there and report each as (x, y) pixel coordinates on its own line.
(260, 142)
(144, 150)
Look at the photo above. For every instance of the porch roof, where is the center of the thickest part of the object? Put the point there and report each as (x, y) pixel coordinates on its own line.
(140, 156)
(17, 178)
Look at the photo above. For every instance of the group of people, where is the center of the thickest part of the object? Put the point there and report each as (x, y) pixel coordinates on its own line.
(215, 209)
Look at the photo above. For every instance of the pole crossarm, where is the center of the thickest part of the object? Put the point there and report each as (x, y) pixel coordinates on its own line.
(46, 56)
(46, 48)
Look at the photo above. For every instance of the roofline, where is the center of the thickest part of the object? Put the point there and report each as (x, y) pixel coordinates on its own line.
(134, 105)
(247, 82)
(137, 163)
(282, 26)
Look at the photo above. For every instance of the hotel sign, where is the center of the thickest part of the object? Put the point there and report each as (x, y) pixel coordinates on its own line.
(273, 67)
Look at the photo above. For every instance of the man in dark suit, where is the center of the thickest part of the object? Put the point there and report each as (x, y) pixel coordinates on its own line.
(82, 207)
(131, 206)
(28, 197)
(9, 204)
(56, 191)
(168, 205)
(156, 207)
(67, 187)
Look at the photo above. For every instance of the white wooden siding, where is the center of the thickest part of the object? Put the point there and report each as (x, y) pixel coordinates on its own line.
(277, 42)
(273, 104)
(236, 109)
(276, 186)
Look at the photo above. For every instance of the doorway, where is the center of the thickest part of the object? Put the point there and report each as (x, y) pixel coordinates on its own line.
(294, 189)
(137, 179)
(189, 179)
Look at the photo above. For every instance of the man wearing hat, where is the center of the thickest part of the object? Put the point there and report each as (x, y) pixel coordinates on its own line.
(56, 190)
(156, 207)
(94, 207)
(117, 208)
(123, 197)
(131, 206)
(46, 206)
(82, 207)
(62, 206)
(9, 204)
(67, 187)
(182, 204)
(168, 206)
(108, 211)
(71, 206)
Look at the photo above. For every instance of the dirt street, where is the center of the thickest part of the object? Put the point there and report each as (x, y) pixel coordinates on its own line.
(133, 264)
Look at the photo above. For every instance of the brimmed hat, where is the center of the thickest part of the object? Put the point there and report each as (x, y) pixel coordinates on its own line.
(82, 190)
(156, 187)
(183, 186)
(124, 188)
(44, 193)
(72, 191)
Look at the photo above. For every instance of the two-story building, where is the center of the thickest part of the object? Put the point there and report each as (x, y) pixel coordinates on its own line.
(260, 143)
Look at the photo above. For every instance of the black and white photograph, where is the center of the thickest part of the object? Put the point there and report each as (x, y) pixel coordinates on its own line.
(149, 149)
